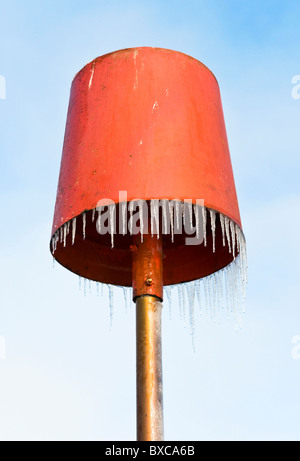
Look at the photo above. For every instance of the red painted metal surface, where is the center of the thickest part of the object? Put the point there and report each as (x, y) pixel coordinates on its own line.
(147, 121)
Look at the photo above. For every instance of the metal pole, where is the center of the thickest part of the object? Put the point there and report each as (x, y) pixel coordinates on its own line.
(149, 369)
(147, 277)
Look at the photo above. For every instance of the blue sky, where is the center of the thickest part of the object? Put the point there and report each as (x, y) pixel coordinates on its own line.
(66, 375)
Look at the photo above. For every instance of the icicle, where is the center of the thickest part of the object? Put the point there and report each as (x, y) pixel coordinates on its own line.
(65, 234)
(198, 292)
(53, 262)
(93, 214)
(131, 205)
(97, 285)
(90, 287)
(68, 227)
(154, 207)
(179, 292)
(61, 234)
(190, 287)
(178, 213)
(227, 230)
(73, 230)
(84, 286)
(83, 224)
(232, 229)
(124, 211)
(204, 218)
(222, 221)
(213, 227)
(112, 209)
(168, 291)
(79, 282)
(165, 209)
(206, 294)
(111, 304)
(126, 301)
(171, 208)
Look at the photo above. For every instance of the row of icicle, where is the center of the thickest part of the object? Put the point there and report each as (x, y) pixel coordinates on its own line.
(223, 290)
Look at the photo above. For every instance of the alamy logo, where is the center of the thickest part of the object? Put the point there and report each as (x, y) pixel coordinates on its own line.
(296, 88)
(2, 87)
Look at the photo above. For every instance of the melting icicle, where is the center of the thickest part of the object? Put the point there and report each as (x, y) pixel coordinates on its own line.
(84, 286)
(79, 282)
(90, 287)
(190, 288)
(97, 285)
(65, 234)
(73, 230)
(168, 291)
(171, 207)
(198, 292)
(126, 301)
(93, 214)
(165, 213)
(112, 214)
(154, 207)
(178, 214)
(222, 221)
(131, 205)
(83, 225)
(227, 231)
(213, 227)
(204, 225)
(232, 229)
(124, 211)
(61, 234)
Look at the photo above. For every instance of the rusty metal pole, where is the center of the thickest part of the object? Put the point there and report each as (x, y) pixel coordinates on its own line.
(148, 293)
